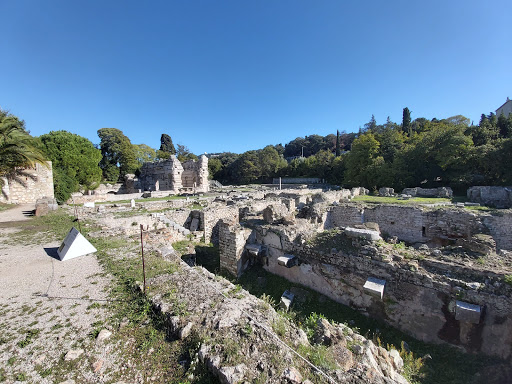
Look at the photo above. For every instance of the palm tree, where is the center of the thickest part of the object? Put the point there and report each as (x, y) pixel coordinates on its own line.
(17, 148)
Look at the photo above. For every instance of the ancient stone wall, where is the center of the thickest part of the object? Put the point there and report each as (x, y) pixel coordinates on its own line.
(211, 218)
(170, 175)
(499, 197)
(32, 184)
(232, 240)
(423, 298)
(425, 225)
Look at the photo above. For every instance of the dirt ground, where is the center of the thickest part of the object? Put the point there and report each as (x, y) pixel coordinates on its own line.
(48, 308)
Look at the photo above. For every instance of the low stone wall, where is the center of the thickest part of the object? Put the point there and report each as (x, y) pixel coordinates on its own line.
(499, 197)
(211, 218)
(429, 192)
(425, 225)
(297, 180)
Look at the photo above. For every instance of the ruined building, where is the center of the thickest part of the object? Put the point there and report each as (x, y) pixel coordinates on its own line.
(170, 175)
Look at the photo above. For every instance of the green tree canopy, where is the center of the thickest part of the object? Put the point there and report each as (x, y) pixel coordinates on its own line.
(118, 154)
(75, 162)
(166, 144)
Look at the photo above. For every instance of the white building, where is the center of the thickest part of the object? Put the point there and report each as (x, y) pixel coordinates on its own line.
(505, 109)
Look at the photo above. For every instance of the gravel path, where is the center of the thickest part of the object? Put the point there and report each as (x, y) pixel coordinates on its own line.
(47, 308)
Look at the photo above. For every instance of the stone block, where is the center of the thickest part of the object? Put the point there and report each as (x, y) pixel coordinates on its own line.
(466, 312)
(253, 249)
(364, 233)
(287, 261)
(286, 300)
(89, 204)
(374, 287)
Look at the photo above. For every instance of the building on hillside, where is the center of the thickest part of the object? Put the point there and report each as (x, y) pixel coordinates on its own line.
(505, 109)
(31, 184)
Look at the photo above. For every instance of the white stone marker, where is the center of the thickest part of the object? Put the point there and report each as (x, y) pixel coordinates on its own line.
(74, 245)
(467, 312)
(132, 203)
(287, 261)
(89, 204)
(375, 287)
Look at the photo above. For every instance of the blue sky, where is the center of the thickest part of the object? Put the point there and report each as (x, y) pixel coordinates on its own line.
(238, 75)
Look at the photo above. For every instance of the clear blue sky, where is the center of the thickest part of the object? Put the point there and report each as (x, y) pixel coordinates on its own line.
(238, 75)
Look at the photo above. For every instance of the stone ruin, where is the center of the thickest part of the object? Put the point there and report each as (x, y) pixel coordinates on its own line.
(438, 274)
(499, 197)
(170, 175)
(31, 184)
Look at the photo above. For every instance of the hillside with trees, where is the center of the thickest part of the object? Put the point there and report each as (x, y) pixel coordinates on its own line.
(439, 152)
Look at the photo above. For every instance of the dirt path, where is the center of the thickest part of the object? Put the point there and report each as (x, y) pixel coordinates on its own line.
(47, 308)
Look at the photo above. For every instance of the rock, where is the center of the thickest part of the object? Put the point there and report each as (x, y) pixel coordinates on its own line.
(231, 375)
(343, 357)
(97, 366)
(292, 375)
(386, 192)
(302, 338)
(73, 354)
(397, 360)
(322, 332)
(364, 233)
(69, 381)
(357, 349)
(286, 300)
(185, 331)
(103, 335)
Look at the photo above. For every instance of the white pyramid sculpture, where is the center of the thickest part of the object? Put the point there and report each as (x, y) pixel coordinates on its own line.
(74, 245)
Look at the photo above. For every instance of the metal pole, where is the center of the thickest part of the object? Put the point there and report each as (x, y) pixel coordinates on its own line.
(142, 249)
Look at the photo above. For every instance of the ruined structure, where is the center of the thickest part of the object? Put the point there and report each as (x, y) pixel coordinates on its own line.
(437, 292)
(499, 197)
(438, 273)
(30, 185)
(170, 175)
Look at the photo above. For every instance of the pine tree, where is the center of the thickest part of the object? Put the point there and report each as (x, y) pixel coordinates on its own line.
(406, 121)
(338, 151)
(166, 144)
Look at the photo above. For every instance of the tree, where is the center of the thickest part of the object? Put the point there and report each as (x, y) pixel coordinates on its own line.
(338, 150)
(144, 154)
(270, 162)
(371, 126)
(118, 154)
(184, 154)
(214, 167)
(18, 150)
(166, 144)
(75, 162)
(406, 121)
(362, 161)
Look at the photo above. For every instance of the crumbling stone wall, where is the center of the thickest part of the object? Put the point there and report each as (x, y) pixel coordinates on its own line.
(424, 225)
(32, 184)
(232, 240)
(499, 197)
(170, 175)
(419, 298)
(211, 218)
